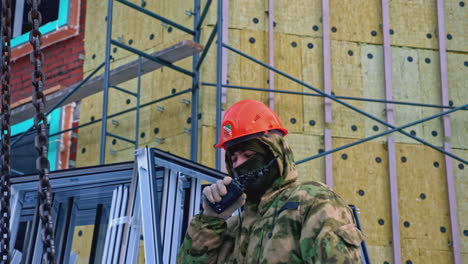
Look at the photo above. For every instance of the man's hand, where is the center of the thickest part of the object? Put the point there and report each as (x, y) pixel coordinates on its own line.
(214, 193)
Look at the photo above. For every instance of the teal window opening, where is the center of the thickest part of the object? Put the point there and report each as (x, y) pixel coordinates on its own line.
(54, 126)
(54, 16)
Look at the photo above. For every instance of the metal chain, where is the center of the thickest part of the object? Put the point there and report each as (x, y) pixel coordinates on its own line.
(41, 141)
(5, 130)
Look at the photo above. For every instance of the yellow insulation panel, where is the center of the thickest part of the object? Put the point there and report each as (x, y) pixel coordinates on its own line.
(305, 146)
(360, 176)
(380, 254)
(302, 18)
(456, 24)
(95, 36)
(235, 71)
(179, 12)
(460, 172)
(429, 74)
(174, 110)
(357, 20)
(414, 23)
(127, 27)
(81, 245)
(312, 74)
(177, 144)
(248, 14)
(423, 204)
(373, 87)
(406, 88)
(457, 65)
(288, 59)
(89, 136)
(417, 255)
(206, 151)
(208, 74)
(346, 81)
(119, 101)
(255, 44)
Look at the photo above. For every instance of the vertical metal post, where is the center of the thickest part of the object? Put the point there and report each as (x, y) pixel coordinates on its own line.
(195, 198)
(164, 201)
(102, 234)
(149, 205)
(271, 53)
(172, 216)
(447, 133)
(137, 113)
(16, 207)
(64, 233)
(108, 233)
(32, 235)
(390, 140)
(219, 75)
(224, 62)
(113, 225)
(19, 18)
(134, 227)
(119, 227)
(195, 88)
(327, 89)
(97, 227)
(102, 153)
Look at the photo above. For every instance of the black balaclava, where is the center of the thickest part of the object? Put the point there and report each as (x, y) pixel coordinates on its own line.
(263, 155)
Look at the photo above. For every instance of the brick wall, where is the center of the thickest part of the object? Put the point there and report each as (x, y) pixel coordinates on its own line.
(62, 64)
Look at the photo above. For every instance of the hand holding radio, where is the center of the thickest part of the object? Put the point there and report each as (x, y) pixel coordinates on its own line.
(222, 190)
(226, 196)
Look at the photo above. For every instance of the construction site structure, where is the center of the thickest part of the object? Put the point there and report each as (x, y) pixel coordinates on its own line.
(373, 92)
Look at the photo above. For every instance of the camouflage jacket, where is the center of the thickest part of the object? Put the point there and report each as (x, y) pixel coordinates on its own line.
(293, 223)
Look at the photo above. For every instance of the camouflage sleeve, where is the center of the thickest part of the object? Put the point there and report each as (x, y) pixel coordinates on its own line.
(329, 234)
(205, 235)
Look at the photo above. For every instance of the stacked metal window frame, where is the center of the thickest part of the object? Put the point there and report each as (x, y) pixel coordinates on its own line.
(115, 225)
(131, 242)
(91, 181)
(390, 140)
(447, 133)
(149, 207)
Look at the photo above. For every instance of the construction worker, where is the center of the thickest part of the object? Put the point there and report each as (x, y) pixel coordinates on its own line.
(283, 220)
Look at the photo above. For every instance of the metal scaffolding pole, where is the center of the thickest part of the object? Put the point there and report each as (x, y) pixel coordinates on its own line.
(219, 76)
(102, 147)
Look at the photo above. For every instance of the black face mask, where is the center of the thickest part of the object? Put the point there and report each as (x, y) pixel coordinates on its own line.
(256, 189)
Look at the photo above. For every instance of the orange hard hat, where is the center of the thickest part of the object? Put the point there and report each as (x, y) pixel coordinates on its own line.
(248, 117)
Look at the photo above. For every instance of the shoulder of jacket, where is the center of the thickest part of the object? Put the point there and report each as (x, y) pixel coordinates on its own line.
(311, 193)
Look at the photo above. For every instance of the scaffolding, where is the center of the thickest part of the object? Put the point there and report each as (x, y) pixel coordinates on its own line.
(166, 58)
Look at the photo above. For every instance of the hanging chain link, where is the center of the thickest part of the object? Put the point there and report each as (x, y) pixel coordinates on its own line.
(41, 141)
(5, 130)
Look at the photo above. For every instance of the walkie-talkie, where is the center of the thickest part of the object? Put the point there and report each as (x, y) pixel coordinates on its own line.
(237, 187)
